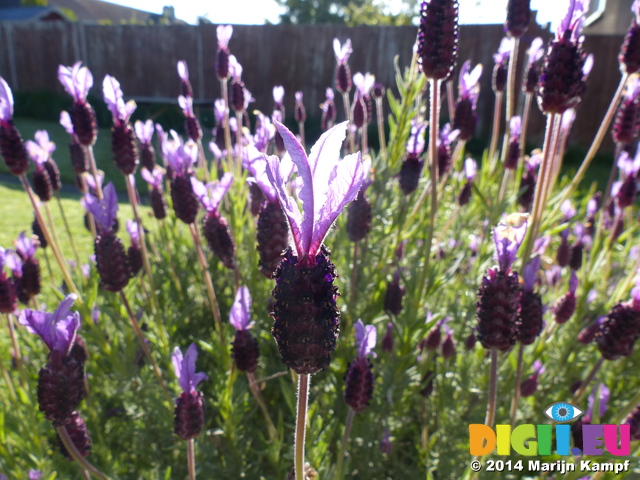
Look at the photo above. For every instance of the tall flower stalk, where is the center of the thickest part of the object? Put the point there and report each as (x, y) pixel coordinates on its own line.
(306, 318)
(344, 81)
(224, 33)
(437, 53)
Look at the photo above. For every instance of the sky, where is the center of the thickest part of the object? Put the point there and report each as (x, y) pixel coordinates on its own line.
(255, 12)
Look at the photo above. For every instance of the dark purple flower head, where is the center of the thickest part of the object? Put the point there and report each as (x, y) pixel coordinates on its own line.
(518, 17)
(144, 131)
(240, 314)
(185, 368)
(57, 329)
(113, 97)
(211, 195)
(328, 184)
(469, 82)
(416, 143)
(104, 211)
(25, 246)
(507, 238)
(438, 38)
(76, 80)
(6, 101)
(366, 337)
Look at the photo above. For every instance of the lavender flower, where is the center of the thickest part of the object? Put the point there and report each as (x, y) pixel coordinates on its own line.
(35, 474)
(563, 79)
(625, 126)
(123, 138)
(412, 165)
(619, 331)
(465, 118)
(61, 381)
(446, 137)
(328, 111)
(532, 75)
(300, 113)
(529, 386)
(77, 151)
(156, 195)
(111, 260)
(8, 287)
(498, 303)
(12, 146)
(627, 190)
(189, 411)
(629, 56)
(448, 345)
(343, 74)
(359, 211)
(438, 38)
(215, 227)
(77, 81)
(359, 378)
(530, 323)
(528, 182)
(185, 84)
(180, 157)
(306, 318)
(393, 295)
(513, 152)
(29, 281)
(567, 303)
(144, 132)
(224, 33)
(470, 170)
(245, 349)
(499, 78)
(362, 110)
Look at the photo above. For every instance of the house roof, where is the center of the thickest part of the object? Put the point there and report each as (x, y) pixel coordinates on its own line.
(26, 14)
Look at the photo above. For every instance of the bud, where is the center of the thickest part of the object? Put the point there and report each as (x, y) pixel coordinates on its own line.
(497, 309)
(8, 294)
(37, 231)
(438, 38)
(619, 331)
(134, 260)
(245, 351)
(359, 381)
(518, 17)
(61, 387)
(465, 194)
(393, 296)
(84, 122)
(575, 258)
(12, 148)
(158, 203)
(530, 323)
(148, 156)
(185, 202)
(125, 148)
(465, 119)
(359, 218)
(192, 128)
(30, 281)
(79, 157)
(42, 184)
(54, 174)
(410, 173)
(529, 386)
(343, 78)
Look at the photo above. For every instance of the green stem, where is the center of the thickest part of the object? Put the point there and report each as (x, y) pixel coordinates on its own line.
(588, 380)
(301, 424)
(381, 137)
(273, 432)
(345, 440)
(347, 114)
(493, 389)
(497, 114)
(516, 391)
(66, 226)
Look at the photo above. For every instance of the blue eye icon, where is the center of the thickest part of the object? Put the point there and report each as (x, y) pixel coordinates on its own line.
(563, 412)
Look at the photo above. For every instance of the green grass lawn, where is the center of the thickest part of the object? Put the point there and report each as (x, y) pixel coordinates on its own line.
(17, 215)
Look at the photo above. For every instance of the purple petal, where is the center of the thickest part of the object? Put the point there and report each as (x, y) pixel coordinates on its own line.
(183, 71)
(344, 183)
(235, 69)
(530, 271)
(224, 33)
(538, 368)
(35, 474)
(144, 131)
(217, 190)
(366, 337)
(416, 142)
(573, 282)
(65, 121)
(6, 101)
(470, 169)
(298, 96)
(568, 210)
(66, 79)
(25, 245)
(185, 368)
(186, 104)
(342, 52)
(288, 204)
(37, 154)
(535, 51)
(57, 330)
(153, 178)
(508, 237)
(132, 229)
(278, 94)
(515, 125)
(306, 174)
(240, 313)
(219, 109)
(112, 96)
(42, 138)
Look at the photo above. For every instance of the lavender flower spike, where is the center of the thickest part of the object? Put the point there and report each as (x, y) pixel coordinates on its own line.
(508, 238)
(366, 337)
(328, 184)
(189, 411)
(57, 329)
(113, 97)
(359, 377)
(245, 349)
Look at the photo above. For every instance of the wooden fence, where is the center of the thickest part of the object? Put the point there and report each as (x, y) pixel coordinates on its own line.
(143, 59)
